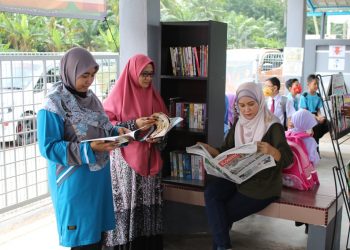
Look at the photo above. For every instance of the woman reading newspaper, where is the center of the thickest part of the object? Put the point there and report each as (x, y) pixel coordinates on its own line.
(227, 202)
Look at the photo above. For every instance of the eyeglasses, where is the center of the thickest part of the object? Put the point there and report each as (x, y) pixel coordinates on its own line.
(144, 74)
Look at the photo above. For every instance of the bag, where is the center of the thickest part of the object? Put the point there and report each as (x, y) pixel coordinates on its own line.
(301, 174)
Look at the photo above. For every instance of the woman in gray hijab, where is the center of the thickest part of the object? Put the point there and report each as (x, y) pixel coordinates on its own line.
(78, 172)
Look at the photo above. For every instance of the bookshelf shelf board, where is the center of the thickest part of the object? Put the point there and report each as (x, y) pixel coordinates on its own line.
(194, 78)
(189, 130)
(183, 182)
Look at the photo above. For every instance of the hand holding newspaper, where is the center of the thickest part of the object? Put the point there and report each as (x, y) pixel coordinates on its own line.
(161, 127)
(236, 164)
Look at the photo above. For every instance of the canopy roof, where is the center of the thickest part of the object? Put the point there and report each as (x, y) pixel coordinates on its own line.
(329, 7)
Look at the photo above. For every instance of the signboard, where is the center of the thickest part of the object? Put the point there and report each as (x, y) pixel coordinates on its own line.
(293, 61)
(87, 9)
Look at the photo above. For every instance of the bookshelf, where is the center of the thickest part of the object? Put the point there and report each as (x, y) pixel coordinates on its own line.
(207, 89)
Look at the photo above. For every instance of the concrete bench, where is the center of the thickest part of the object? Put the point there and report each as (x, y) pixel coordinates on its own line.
(319, 208)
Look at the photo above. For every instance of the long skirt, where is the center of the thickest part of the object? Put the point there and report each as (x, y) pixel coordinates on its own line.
(137, 207)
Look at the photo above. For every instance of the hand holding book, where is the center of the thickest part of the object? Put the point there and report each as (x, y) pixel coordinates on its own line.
(155, 126)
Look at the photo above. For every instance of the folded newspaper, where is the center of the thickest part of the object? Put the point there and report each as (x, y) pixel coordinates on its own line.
(162, 126)
(236, 164)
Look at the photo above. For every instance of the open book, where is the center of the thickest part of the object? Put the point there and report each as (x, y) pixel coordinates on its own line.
(236, 164)
(161, 128)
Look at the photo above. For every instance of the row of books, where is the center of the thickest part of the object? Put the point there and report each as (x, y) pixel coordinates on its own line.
(193, 114)
(187, 166)
(189, 61)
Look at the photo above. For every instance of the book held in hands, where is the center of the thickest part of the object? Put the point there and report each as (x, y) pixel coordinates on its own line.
(236, 164)
(161, 127)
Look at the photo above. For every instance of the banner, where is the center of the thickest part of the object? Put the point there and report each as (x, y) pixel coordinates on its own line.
(86, 9)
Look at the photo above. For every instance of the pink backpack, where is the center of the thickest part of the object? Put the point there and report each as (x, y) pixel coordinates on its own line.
(301, 174)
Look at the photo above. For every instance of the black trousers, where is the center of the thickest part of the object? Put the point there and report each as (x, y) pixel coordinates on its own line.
(320, 130)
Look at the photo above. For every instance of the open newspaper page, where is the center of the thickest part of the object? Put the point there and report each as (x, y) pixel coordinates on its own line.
(236, 164)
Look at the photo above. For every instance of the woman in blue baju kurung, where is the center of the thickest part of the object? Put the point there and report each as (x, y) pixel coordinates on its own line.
(78, 172)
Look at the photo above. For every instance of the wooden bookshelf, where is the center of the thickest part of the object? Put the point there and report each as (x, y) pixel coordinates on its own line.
(209, 89)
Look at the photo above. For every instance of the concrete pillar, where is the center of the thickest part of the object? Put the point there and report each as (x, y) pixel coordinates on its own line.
(296, 15)
(139, 30)
(296, 18)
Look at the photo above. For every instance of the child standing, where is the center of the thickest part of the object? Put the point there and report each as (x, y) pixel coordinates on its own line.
(294, 89)
(312, 101)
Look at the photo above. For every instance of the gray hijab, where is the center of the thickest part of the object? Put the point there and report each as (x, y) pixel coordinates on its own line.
(75, 63)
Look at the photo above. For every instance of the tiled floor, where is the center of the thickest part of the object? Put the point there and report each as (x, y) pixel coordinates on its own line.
(37, 229)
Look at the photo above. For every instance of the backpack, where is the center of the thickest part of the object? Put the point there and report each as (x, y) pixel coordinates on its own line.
(301, 174)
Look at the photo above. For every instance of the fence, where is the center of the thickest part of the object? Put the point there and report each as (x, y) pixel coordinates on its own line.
(24, 81)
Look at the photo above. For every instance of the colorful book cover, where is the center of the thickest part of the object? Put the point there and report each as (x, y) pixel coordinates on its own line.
(187, 171)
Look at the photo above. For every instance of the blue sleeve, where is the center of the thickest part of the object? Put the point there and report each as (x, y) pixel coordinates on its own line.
(53, 147)
(302, 102)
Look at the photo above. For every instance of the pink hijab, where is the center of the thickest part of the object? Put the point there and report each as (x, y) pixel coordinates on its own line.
(129, 101)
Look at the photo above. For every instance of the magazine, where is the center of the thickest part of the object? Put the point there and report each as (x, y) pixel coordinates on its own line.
(236, 164)
(162, 126)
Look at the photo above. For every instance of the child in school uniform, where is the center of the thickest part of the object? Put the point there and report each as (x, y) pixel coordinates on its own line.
(294, 89)
(312, 101)
(303, 121)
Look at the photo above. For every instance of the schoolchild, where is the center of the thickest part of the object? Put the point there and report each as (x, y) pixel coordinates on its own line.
(312, 101)
(279, 105)
(294, 88)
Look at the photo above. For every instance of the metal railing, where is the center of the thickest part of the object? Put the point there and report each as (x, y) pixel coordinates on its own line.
(25, 79)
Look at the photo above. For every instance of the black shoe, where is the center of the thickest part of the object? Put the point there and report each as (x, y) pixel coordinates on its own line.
(298, 224)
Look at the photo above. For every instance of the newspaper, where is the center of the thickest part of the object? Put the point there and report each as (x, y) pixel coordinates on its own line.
(236, 164)
(163, 125)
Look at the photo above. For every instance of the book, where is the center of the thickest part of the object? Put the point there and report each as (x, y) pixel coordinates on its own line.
(236, 164)
(162, 126)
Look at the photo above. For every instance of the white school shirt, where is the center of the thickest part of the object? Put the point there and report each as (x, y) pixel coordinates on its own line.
(278, 107)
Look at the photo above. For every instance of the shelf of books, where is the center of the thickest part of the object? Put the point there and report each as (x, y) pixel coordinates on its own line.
(192, 84)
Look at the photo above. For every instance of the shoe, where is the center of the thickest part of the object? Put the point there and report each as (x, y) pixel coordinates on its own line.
(298, 224)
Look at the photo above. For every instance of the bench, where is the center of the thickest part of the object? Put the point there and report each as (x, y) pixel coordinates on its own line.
(319, 208)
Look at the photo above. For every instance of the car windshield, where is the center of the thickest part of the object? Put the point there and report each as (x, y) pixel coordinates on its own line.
(18, 75)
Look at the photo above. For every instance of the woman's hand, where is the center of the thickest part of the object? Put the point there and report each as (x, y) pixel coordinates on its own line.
(122, 131)
(102, 146)
(145, 122)
(212, 151)
(266, 148)
(153, 140)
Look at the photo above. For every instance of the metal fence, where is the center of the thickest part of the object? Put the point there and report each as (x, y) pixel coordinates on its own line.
(24, 81)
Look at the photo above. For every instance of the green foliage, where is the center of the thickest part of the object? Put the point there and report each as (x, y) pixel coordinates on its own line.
(251, 23)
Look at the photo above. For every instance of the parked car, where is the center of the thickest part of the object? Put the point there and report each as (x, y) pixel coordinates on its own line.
(243, 65)
(21, 97)
(23, 86)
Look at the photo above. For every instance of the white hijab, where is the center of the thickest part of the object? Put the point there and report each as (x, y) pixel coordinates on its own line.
(253, 130)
